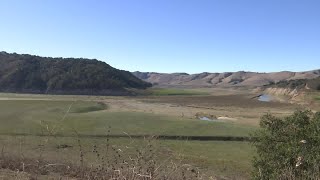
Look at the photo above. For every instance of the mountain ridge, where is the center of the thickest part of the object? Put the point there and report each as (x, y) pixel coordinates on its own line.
(225, 79)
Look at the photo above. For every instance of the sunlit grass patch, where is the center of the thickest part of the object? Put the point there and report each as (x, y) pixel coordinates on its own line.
(175, 92)
(30, 116)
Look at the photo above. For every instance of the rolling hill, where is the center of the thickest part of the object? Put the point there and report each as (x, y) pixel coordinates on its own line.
(226, 79)
(34, 74)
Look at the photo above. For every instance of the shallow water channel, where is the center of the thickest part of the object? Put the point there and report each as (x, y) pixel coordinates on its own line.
(207, 119)
(265, 98)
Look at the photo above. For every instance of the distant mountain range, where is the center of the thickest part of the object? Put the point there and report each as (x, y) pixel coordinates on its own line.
(34, 74)
(226, 79)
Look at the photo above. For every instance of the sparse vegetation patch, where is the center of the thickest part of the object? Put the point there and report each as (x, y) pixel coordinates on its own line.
(90, 108)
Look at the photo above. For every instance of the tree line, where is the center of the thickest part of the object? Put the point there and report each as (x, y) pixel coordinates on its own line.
(29, 73)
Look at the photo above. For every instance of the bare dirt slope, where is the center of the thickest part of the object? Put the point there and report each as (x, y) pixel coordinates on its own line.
(226, 79)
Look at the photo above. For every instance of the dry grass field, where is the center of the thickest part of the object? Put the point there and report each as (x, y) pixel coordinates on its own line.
(70, 130)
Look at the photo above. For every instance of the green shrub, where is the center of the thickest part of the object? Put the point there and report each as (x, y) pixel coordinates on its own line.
(288, 148)
(90, 108)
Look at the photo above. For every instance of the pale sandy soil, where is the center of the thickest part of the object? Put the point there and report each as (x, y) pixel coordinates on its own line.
(232, 113)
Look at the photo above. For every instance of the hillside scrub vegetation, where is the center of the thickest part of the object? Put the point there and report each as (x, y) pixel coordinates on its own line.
(313, 84)
(288, 148)
(34, 74)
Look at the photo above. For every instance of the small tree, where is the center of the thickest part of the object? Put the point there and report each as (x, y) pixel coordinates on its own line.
(288, 148)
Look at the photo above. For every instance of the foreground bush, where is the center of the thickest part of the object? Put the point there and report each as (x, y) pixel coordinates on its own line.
(137, 160)
(288, 148)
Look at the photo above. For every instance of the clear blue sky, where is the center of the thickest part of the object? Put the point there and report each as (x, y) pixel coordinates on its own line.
(168, 35)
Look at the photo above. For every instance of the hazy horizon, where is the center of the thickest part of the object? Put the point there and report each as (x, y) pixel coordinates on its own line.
(284, 70)
(169, 36)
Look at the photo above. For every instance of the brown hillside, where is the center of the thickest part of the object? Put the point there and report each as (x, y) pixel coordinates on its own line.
(226, 79)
